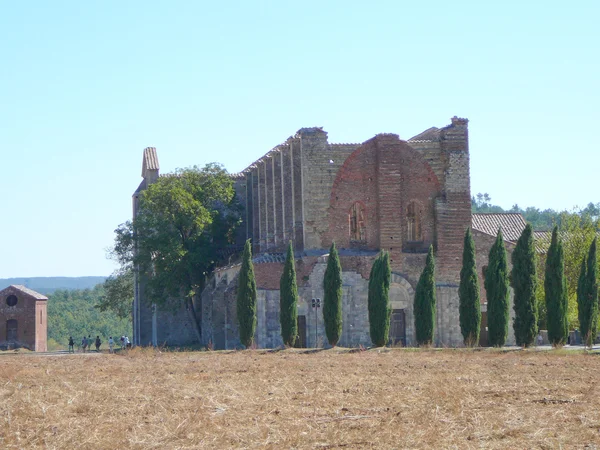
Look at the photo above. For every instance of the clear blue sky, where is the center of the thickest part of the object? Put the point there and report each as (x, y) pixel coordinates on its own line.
(85, 86)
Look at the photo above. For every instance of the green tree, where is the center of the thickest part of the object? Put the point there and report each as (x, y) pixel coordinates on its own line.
(288, 300)
(468, 294)
(577, 231)
(117, 295)
(379, 300)
(555, 290)
(75, 313)
(332, 301)
(496, 287)
(524, 283)
(425, 302)
(587, 296)
(184, 219)
(246, 298)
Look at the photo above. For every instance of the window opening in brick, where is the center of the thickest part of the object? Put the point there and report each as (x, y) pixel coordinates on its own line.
(413, 226)
(357, 222)
(11, 300)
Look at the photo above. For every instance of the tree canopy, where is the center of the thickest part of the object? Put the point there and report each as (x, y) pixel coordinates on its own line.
(183, 221)
(74, 313)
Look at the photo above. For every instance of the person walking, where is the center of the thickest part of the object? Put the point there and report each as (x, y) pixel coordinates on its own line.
(98, 343)
(111, 345)
(127, 343)
(71, 345)
(84, 344)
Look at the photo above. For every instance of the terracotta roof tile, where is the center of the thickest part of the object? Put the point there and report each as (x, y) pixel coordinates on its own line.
(512, 224)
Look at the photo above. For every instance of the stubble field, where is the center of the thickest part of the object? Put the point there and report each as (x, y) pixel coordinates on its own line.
(301, 399)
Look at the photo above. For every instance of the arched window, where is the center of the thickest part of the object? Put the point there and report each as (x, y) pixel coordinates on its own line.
(358, 231)
(413, 223)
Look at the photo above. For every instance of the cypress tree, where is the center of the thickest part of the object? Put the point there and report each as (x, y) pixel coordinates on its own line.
(468, 294)
(379, 301)
(587, 296)
(592, 271)
(555, 287)
(425, 302)
(246, 298)
(332, 301)
(288, 300)
(524, 283)
(496, 287)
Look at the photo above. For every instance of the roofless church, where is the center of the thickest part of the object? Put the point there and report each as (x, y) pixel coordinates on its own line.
(385, 193)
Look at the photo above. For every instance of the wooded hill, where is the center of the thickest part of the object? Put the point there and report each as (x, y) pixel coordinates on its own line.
(47, 285)
(74, 313)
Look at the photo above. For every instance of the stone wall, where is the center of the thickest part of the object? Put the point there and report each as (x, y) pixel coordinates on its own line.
(287, 190)
(220, 321)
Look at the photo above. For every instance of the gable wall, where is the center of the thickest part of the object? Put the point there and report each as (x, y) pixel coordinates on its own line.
(26, 312)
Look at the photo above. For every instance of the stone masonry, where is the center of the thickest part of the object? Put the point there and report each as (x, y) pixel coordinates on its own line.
(383, 194)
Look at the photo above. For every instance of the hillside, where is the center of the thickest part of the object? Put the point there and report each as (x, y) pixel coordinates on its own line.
(47, 285)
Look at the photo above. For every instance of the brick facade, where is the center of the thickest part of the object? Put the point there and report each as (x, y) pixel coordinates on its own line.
(23, 319)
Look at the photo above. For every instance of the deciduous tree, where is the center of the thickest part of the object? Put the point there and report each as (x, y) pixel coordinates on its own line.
(183, 221)
(117, 295)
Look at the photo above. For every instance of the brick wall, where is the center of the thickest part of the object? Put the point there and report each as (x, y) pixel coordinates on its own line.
(31, 317)
(385, 174)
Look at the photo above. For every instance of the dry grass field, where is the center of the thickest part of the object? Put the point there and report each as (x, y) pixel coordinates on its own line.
(301, 399)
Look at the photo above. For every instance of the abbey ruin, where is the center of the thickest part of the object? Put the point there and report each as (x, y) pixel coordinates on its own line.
(383, 194)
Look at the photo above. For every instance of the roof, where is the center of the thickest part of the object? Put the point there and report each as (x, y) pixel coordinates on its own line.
(24, 290)
(431, 134)
(150, 161)
(512, 224)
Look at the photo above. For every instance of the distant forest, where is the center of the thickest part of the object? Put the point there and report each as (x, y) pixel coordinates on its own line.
(75, 313)
(543, 220)
(47, 285)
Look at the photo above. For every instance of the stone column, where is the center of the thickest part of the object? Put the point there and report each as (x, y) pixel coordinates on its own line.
(269, 207)
(287, 194)
(277, 201)
(255, 212)
(296, 153)
(262, 205)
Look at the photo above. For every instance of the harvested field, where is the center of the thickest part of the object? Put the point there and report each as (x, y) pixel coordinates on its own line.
(301, 399)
